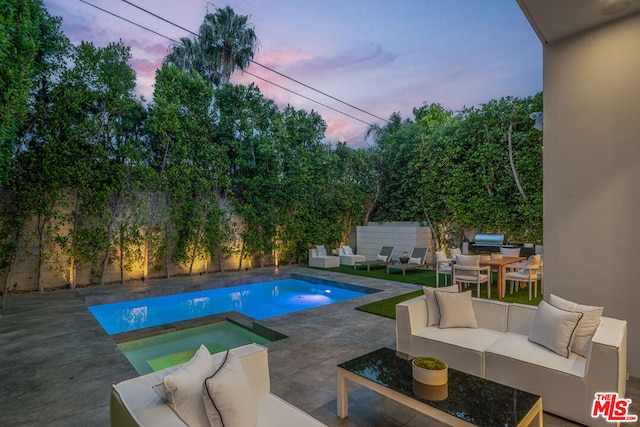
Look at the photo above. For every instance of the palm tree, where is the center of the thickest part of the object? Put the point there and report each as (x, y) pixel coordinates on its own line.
(225, 43)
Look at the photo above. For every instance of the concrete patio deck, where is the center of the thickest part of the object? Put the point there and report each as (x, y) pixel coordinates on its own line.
(57, 364)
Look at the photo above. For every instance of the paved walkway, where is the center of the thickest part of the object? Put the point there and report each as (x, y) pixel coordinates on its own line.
(57, 364)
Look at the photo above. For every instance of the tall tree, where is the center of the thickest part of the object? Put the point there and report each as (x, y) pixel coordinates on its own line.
(37, 51)
(225, 43)
(190, 161)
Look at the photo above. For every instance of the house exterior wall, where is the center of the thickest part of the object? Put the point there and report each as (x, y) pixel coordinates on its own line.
(592, 172)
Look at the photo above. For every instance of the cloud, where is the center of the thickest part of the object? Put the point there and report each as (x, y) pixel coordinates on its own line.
(310, 63)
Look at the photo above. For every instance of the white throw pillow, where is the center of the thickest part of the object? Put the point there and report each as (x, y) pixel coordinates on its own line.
(554, 328)
(228, 397)
(183, 388)
(586, 326)
(347, 250)
(433, 312)
(382, 258)
(456, 310)
(417, 261)
(322, 251)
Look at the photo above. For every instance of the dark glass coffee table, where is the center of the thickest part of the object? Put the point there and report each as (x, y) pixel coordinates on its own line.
(464, 400)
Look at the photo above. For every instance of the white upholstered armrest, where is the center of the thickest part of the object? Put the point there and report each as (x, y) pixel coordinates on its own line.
(411, 316)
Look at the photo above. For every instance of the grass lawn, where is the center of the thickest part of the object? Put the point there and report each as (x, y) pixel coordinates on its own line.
(387, 306)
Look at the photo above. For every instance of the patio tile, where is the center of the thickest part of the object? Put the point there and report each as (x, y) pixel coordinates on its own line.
(57, 364)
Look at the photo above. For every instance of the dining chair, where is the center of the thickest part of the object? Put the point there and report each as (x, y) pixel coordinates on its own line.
(510, 252)
(522, 272)
(467, 270)
(443, 266)
(454, 251)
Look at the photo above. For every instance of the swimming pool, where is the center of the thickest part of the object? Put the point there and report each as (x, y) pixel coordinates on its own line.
(259, 301)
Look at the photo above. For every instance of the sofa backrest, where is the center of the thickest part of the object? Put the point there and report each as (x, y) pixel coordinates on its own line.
(313, 253)
(520, 318)
(255, 361)
(491, 314)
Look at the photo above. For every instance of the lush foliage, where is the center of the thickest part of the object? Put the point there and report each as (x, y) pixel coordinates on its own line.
(96, 177)
(454, 170)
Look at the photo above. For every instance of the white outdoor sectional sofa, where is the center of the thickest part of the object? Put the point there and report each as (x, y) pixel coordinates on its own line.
(500, 349)
(318, 257)
(347, 257)
(136, 402)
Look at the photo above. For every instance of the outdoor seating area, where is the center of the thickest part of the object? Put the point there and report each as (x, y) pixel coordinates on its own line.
(318, 257)
(303, 381)
(347, 257)
(383, 258)
(237, 389)
(563, 356)
(418, 259)
(353, 236)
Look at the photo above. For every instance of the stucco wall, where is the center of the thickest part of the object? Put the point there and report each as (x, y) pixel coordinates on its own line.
(592, 172)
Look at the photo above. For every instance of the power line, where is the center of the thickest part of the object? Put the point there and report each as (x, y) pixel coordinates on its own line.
(126, 20)
(305, 97)
(259, 64)
(247, 72)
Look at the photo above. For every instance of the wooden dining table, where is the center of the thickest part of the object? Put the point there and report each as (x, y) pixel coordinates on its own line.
(499, 263)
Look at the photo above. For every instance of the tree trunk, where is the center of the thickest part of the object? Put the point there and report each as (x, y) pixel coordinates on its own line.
(41, 227)
(434, 234)
(73, 277)
(241, 256)
(105, 260)
(121, 256)
(12, 261)
(221, 260)
(193, 259)
(513, 165)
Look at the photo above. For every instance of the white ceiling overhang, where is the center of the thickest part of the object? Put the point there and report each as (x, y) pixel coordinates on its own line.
(553, 20)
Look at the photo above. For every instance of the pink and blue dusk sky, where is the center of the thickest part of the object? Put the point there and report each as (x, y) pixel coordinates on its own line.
(381, 56)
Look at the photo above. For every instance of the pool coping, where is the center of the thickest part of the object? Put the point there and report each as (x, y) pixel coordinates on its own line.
(235, 317)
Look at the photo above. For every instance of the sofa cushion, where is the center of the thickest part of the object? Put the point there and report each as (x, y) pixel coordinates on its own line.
(554, 328)
(228, 398)
(433, 312)
(184, 388)
(518, 347)
(276, 412)
(491, 314)
(347, 250)
(456, 310)
(586, 326)
(474, 339)
(461, 348)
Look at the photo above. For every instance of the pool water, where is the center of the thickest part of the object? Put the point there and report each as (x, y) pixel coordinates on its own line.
(259, 301)
(160, 351)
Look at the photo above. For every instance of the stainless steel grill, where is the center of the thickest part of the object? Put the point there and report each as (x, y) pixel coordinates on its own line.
(494, 240)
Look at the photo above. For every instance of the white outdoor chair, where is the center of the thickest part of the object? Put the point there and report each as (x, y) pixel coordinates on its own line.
(467, 270)
(443, 266)
(454, 251)
(522, 272)
(510, 252)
